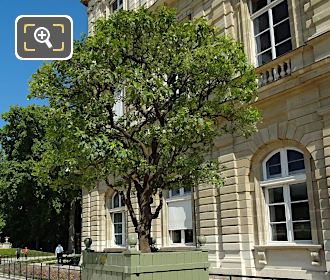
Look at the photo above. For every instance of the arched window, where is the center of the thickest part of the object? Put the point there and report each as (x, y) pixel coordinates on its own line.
(286, 196)
(117, 212)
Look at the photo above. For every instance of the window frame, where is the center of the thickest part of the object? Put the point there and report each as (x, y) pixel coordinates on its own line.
(117, 210)
(268, 8)
(182, 196)
(285, 181)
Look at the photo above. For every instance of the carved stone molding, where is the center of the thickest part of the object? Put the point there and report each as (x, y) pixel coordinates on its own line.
(315, 257)
(261, 257)
(261, 251)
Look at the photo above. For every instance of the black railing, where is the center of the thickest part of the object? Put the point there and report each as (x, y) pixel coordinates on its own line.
(26, 270)
(240, 277)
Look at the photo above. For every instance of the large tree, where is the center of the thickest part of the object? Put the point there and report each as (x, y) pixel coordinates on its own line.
(183, 86)
(35, 214)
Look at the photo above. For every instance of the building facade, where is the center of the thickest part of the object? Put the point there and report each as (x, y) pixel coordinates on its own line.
(272, 217)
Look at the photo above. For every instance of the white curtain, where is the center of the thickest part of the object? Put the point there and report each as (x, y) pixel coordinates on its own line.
(179, 215)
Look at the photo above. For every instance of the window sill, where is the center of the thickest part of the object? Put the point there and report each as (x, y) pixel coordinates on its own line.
(311, 247)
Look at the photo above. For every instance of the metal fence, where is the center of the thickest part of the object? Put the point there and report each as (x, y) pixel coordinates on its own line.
(26, 270)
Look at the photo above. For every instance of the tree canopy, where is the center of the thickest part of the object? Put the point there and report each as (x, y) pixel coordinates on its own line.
(31, 214)
(183, 85)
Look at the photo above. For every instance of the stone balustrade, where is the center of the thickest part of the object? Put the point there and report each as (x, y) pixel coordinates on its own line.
(275, 69)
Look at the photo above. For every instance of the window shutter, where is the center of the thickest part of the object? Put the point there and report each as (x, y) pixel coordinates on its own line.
(179, 215)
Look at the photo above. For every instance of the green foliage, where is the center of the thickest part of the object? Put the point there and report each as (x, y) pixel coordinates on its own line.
(2, 222)
(32, 253)
(33, 212)
(184, 87)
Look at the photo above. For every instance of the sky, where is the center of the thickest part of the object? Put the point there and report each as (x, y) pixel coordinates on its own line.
(14, 73)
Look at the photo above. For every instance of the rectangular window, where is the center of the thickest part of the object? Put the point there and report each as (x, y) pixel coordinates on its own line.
(288, 210)
(179, 222)
(271, 28)
(118, 228)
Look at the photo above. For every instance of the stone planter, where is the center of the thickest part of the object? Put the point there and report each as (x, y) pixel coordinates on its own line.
(131, 265)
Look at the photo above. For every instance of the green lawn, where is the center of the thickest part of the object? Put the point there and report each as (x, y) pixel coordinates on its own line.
(32, 253)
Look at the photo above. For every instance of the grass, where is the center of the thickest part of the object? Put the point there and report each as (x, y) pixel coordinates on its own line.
(32, 253)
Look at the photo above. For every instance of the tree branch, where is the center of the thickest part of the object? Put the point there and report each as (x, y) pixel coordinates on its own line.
(128, 203)
(160, 206)
(125, 133)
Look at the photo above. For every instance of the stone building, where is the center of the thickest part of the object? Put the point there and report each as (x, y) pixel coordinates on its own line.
(272, 217)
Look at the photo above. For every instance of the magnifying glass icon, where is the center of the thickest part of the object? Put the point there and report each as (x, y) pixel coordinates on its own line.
(42, 35)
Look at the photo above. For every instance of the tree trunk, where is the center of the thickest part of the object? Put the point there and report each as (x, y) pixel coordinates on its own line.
(144, 243)
(144, 229)
(72, 230)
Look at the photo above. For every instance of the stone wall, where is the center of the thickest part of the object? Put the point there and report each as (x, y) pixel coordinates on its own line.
(296, 113)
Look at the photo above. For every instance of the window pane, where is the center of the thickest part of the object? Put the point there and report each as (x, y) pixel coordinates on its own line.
(265, 57)
(275, 195)
(263, 42)
(117, 218)
(302, 231)
(118, 228)
(114, 6)
(282, 32)
(186, 190)
(273, 166)
(261, 23)
(295, 161)
(120, 2)
(116, 201)
(277, 213)
(119, 239)
(258, 4)
(274, 171)
(175, 192)
(188, 236)
(176, 236)
(300, 211)
(279, 232)
(275, 159)
(296, 166)
(298, 192)
(283, 48)
(280, 12)
(294, 155)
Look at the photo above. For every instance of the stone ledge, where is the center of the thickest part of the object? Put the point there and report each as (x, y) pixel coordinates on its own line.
(288, 246)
